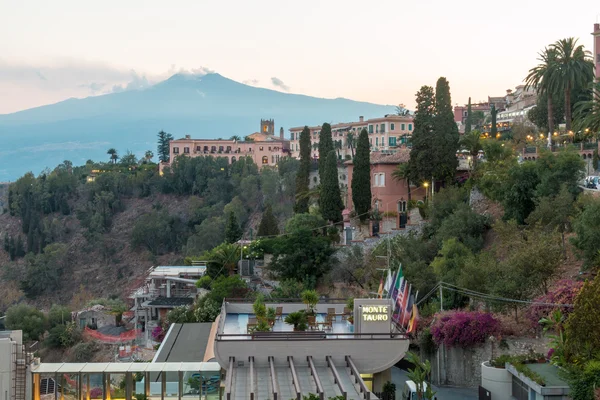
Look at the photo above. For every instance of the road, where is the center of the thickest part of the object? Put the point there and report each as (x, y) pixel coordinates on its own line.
(442, 393)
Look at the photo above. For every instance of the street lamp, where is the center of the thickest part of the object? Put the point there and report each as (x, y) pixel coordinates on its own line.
(426, 184)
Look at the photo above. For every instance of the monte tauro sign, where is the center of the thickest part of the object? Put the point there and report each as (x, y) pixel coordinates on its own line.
(375, 313)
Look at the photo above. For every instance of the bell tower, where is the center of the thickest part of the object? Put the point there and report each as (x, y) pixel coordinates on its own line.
(596, 54)
(267, 126)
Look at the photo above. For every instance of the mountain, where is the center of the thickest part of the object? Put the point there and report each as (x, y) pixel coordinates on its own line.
(204, 106)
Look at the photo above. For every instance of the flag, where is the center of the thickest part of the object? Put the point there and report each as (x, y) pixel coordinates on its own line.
(401, 299)
(412, 324)
(388, 282)
(393, 282)
(380, 290)
(397, 285)
(408, 310)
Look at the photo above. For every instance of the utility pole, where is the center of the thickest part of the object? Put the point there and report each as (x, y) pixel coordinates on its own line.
(441, 299)
(439, 376)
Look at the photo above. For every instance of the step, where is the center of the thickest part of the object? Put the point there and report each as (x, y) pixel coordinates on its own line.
(330, 388)
(241, 384)
(347, 382)
(263, 384)
(307, 382)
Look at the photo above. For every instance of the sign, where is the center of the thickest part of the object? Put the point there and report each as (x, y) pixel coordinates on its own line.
(375, 313)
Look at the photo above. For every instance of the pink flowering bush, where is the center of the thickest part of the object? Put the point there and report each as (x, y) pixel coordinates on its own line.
(464, 328)
(564, 292)
(158, 334)
(96, 393)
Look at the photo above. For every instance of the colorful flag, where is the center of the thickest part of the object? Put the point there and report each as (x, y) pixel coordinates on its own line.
(397, 285)
(412, 324)
(401, 300)
(388, 282)
(408, 310)
(380, 290)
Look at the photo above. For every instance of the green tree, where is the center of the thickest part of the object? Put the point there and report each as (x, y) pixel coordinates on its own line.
(422, 151)
(494, 124)
(350, 139)
(538, 115)
(587, 115)
(325, 146)
(446, 137)
(228, 287)
(330, 199)
(59, 315)
(43, 271)
(472, 143)
(574, 68)
(543, 78)
(519, 191)
(268, 224)
(163, 149)
(361, 177)
(448, 266)
(223, 259)
(402, 173)
(148, 156)
(27, 319)
(419, 375)
(557, 169)
(113, 155)
(158, 232)
(587, 230)
(302, 177)
(129, 159)
(464, 225)
(583, 325)
(233, 232)
(468, 121)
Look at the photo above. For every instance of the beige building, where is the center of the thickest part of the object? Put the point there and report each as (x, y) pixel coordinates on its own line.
(386, 133)
(263, 147)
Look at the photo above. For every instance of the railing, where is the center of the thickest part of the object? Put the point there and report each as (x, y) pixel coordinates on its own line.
(302, 336)
(274, 384)
(336, 377)
(295, 377)
(590, 146)
(277, 300)
(354, 372)
(229, 381)
(252, 388)
(313, 372)
(530, 149)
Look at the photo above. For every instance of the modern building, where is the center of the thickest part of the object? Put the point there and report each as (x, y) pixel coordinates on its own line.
(263, 147)
(15, 379)
(386, 133)
(388, 194)
(347, 354)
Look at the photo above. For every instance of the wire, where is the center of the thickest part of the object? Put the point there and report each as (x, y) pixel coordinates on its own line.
(431, 292)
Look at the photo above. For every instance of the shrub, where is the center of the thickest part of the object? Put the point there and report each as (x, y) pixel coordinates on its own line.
(83, 352)
(27, 319)
(158, 334)
(464, 329)
(564, 293)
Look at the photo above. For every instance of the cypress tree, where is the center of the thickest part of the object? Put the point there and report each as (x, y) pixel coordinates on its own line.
(325, 146)
(233, 232)
(421, 153)
(446, 138)
(494, 128)
(361, 177)
(6, 242)
(468, 121)
(20, 249)
(331, 203)
(268, 224)
(302, 177)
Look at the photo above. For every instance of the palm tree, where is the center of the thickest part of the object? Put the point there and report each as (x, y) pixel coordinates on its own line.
(148, 156)
(236, 138)
(350, 142)
(574, 67)
(402, 173)
(113, 155)
(472, 143)
(543, 78)
(338, 146)
(587, 114)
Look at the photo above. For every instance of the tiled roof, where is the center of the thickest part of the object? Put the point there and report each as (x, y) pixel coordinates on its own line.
(171, 301)
(401, 155)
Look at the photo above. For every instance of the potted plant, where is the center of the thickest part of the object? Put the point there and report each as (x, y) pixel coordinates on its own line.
(271, 315)
(298, 320)
(259, 308)
(310, 298)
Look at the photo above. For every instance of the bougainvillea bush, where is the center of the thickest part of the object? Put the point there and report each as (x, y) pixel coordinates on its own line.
(564, 292)
(464, 328)
(158, 334)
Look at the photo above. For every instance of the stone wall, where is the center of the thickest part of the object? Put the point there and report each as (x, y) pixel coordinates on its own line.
(462, 367)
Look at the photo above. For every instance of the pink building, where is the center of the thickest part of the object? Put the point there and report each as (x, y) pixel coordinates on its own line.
(388, 132)
(388, 194)
(264, 147)
(596, 54)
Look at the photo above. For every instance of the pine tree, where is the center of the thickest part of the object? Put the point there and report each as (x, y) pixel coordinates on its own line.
(268, 224)
(421, 153)
(325, 146)
(233, 232)
(361, 177)
(583, 324)
(446, 138)
(20, 249)
(330, 202)
(494, 128)
(468, 121)
(302, 177)
(6, 242)
(163, 146)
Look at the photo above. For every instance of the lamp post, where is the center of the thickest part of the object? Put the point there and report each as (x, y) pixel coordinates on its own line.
(426, 184)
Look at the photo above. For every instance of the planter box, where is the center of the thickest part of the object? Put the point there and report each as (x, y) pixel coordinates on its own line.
(498, 381)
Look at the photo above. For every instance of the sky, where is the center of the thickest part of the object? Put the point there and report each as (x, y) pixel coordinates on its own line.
(379, 51)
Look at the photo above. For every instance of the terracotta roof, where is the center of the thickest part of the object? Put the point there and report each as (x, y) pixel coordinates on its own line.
(401, 155)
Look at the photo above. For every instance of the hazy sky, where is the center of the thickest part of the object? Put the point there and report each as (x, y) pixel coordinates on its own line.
(379, 51)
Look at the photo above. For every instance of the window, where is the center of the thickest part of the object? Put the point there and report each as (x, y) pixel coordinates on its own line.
(186, 150)
(379, 179)
(376, 141)
(175, 150)
(402, 206)
(402, 126)
(382, 128)
(269, 148)
(232, 159)
(392, 140)
(260, 148)
(382, 179)
(376, 128)
(370, 128)
(272, 159)
(392, 127)
(265, 160)
(410, 127)
(197, 148)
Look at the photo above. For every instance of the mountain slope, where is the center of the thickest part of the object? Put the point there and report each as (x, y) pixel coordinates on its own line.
(208, 106)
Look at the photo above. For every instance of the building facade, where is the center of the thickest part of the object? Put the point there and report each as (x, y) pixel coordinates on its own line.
(386, 133)
(263, 147)
(596, 55)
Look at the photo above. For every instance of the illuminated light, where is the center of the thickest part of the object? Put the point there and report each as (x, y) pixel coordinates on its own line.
(542, 135)
(555, 134)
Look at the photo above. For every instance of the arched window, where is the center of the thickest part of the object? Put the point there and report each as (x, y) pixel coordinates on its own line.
(265, 160)
(401, 206)
(232, 159)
